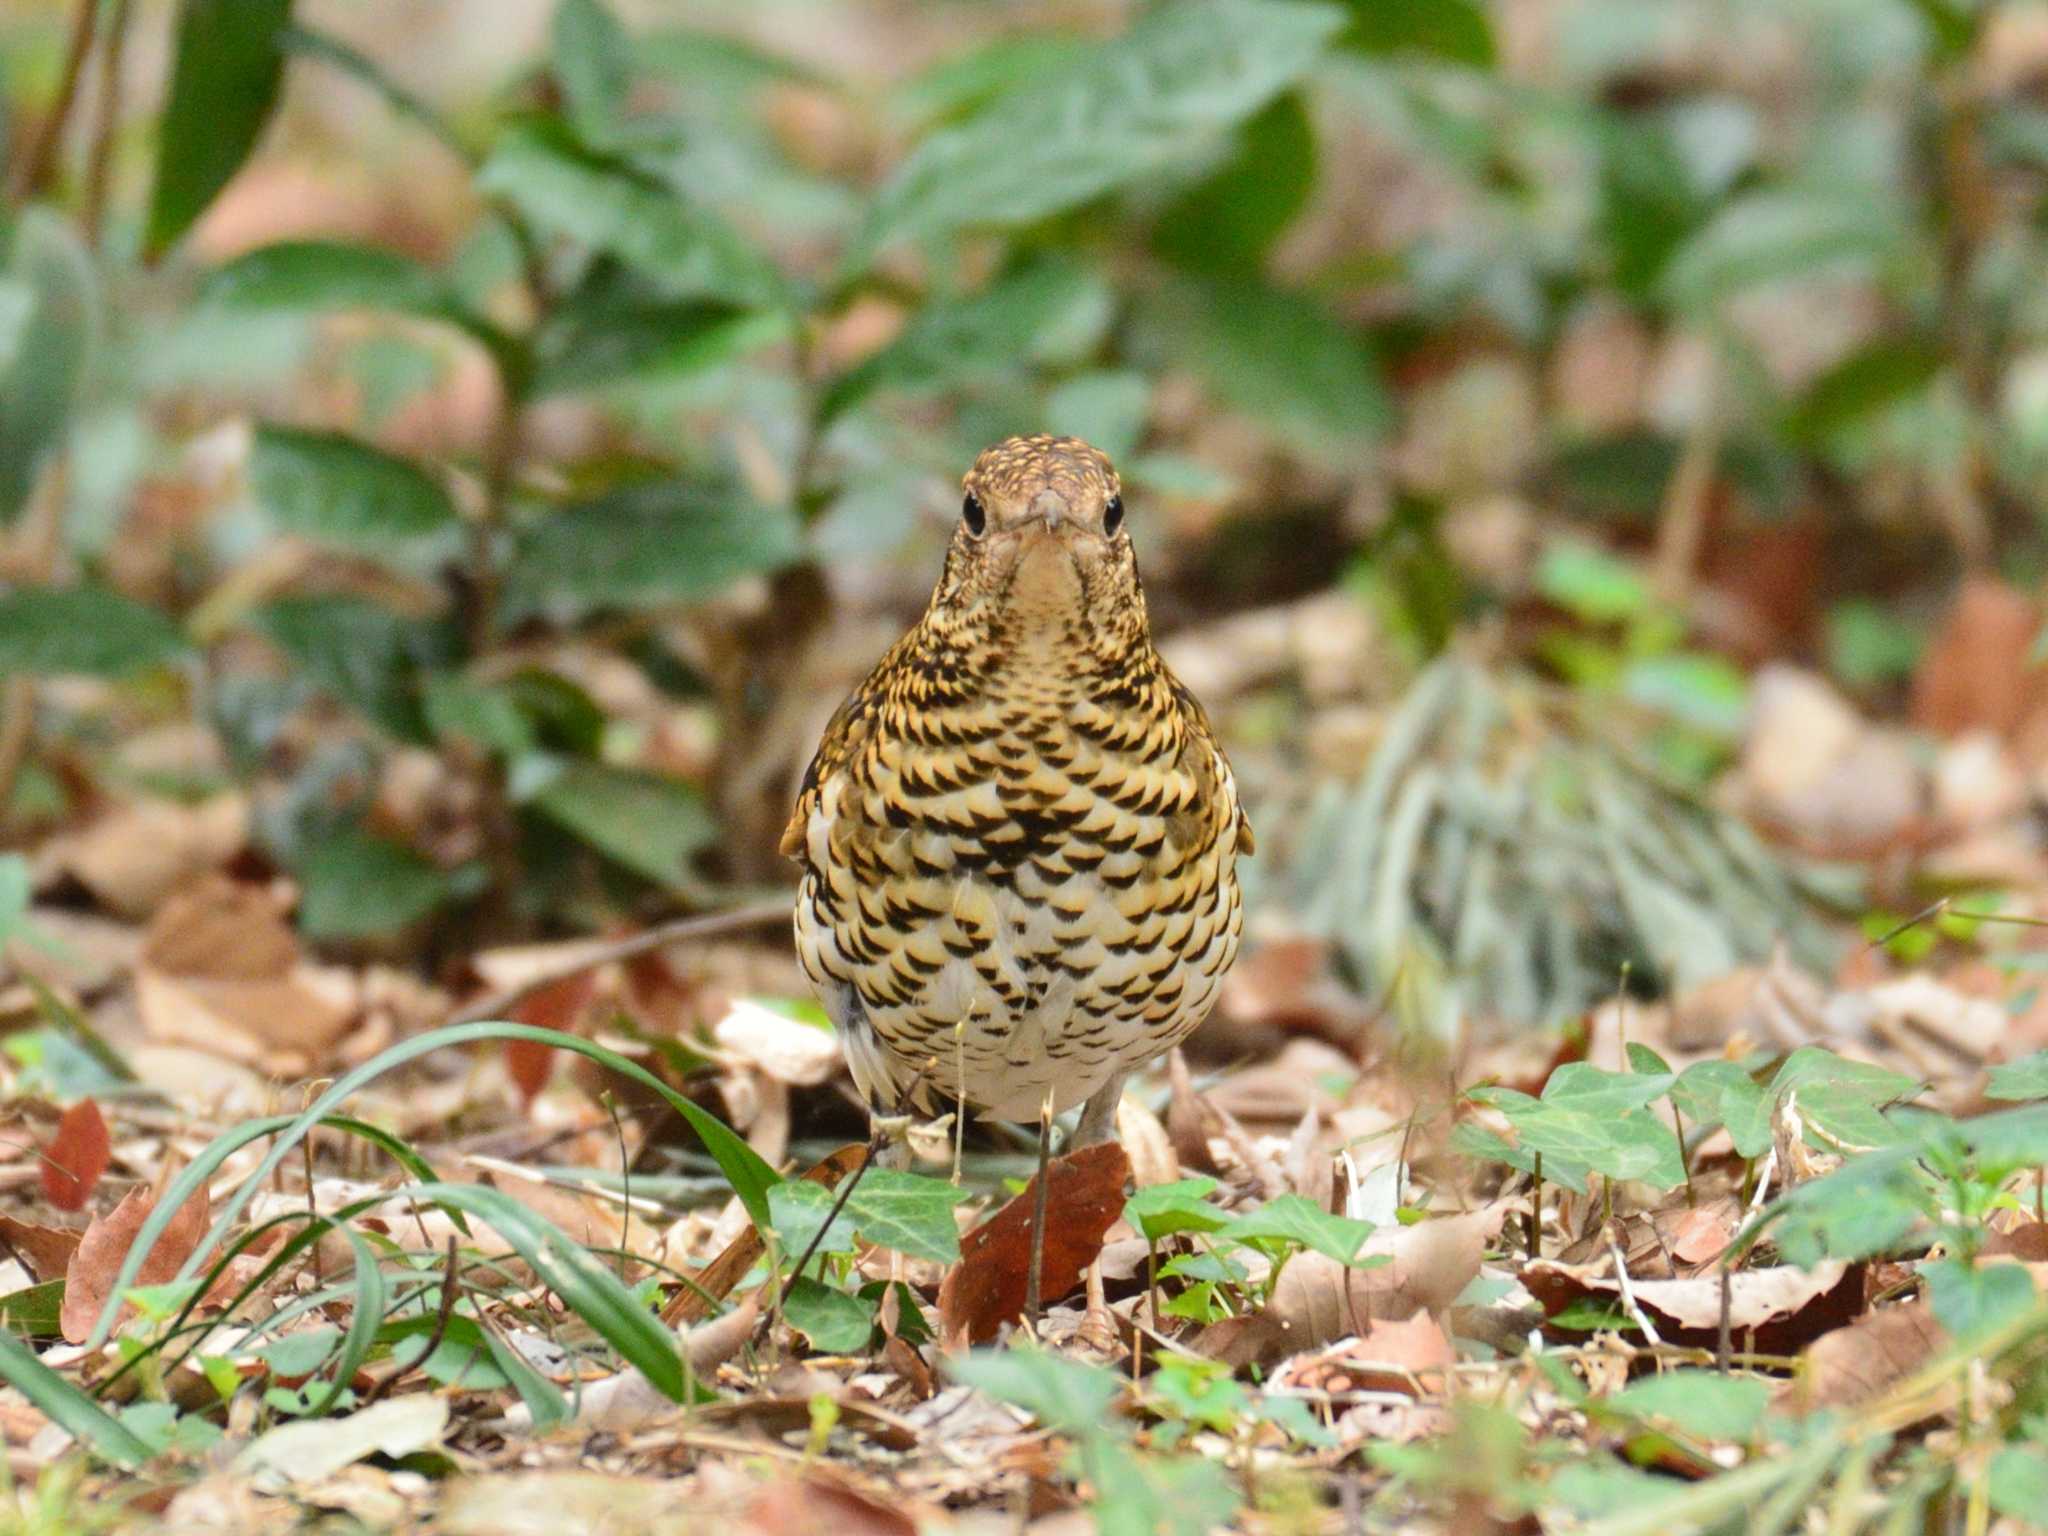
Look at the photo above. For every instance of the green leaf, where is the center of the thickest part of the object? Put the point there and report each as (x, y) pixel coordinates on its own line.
(1059, 1393)
(1590, 584)
(908, 1212)
(1970, 1299)
(2018, 1481)
(68, 1406)
(1160, 1210)
(364, 655)
(1711, 1093)
(834, 1322)
(1863, 384)
(53, 322)
(58, 631)
(296, 275)
(687, 250)
(1106, 408)
(224, 82)
(34, 1311)
(1840, 1099)
(593, 60)
(1702, 1403)
(1869, 645)
(608, 333)
(1280, 357)
(985, 334)
(1649, 205)
(1227, 221)
(357, 885)
(1296, 1219)
(652, 825)
(667, 542)
(1583, 1086)
(1455, 31)
(798, 1209)
(2026, 1078)
(1184, 74)
(1694, 688)
(335, 488)
(1780, 233)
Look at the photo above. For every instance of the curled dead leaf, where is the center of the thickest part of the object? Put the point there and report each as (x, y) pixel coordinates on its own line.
(1317, 1300)
(1856, 1363)
(1775, 1309)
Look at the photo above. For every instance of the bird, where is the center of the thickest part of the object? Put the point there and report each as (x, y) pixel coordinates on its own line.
(1018, 838)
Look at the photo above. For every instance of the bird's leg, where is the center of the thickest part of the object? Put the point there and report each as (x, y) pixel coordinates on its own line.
(1098, 1124)
(1033, 1277)
(1098, 1114)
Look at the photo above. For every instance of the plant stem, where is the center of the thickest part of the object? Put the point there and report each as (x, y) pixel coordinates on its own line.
(106, 118)
(34, 166)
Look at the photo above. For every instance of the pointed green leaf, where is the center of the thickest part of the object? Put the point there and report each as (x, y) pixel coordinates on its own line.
(224, 82)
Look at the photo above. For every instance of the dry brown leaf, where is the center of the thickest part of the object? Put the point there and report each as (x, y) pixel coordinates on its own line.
(221, 971)
(1084, 1197)
(1968, 678)
(1145, 1141)
(89, 1280)
(783, 1048)
(1317, 1299)
(46, 1251)
(76, 1157)
(135, 856)
(1853, 1364)
(825, 1501)
(1700, 1234)
(1779, 1308)
(1388, 1357)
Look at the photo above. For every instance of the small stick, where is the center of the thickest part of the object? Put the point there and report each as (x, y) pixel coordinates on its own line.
(705, 925)
(1033, 1277)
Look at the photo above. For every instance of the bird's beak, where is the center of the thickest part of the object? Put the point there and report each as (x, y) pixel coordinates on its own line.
(1052, 507)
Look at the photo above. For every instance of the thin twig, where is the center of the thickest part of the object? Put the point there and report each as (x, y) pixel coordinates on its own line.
(449, 1285)
(705, 925)
(34, 166)
(99, 152)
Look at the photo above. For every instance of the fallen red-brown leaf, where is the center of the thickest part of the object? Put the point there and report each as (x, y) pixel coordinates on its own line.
(76, 1157)
(1084, 1197)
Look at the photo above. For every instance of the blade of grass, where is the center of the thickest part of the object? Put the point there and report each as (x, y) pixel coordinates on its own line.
(751, 1178)
(68, 1405)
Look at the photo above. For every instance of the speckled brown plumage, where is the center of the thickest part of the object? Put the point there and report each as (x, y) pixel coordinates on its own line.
(1019, 836)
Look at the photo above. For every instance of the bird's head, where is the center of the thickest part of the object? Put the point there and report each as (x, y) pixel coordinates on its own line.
(1041, 537)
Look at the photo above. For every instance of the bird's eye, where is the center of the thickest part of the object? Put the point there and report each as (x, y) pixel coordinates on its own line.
(1113, 515)
(972, 514)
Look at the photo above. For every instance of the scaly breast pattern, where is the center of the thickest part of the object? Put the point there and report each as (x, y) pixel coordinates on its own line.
(1019, 887)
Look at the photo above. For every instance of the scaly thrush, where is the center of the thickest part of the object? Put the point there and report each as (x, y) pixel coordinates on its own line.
(1019, 836)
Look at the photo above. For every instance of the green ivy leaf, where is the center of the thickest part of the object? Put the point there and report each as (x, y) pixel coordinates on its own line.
(907, 1212)
(1059, 1393)
(834, 1322)
(1160, 1210)
(798, 1209)
(224, 82)
(1296, 1219)
(90, 631)
(2026, 1078)
(1184, 74)
(1702, 1403)
(1970, 1299)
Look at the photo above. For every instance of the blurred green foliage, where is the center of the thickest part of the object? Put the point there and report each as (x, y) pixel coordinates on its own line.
(1372, 261)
